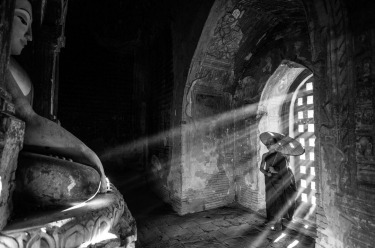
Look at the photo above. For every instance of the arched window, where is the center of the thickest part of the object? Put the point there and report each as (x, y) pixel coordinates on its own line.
(287, 106)
(302, 128)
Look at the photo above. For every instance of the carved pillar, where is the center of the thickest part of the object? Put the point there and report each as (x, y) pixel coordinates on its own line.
(49, 39)
(6, 18)
(345, 212)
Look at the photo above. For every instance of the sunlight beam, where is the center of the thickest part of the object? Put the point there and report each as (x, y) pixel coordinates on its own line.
(279, 238)
(220, 119)
(295, 242)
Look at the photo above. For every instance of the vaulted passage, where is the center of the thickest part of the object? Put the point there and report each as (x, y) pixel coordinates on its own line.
(173, 96)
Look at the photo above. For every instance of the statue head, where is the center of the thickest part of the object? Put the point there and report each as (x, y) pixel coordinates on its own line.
(21, 28)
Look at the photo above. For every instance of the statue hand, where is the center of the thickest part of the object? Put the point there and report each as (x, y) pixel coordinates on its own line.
(104, 184)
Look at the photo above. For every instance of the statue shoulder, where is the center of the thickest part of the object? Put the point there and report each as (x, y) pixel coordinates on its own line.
(20, 76)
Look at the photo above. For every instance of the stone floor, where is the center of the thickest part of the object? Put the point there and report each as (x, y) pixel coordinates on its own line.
(224, 227)
(233, 226)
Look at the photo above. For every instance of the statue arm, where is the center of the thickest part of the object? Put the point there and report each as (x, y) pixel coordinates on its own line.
(49, 136)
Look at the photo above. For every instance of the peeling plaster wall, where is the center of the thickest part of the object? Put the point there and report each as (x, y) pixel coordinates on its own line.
(188, 21)
(207, 141)
(208, 171)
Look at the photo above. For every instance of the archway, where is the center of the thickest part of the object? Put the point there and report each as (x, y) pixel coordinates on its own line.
(286, 106)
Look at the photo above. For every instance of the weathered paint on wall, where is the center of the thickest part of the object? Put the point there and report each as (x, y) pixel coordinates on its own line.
(207, 168)
(341, 56)
(207, 172)
(166, 174)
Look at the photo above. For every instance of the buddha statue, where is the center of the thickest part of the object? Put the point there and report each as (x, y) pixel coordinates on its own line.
(47, 137)
(66, 186)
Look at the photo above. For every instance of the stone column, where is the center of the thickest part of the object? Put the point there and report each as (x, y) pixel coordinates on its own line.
(6, 18)
(49, 38)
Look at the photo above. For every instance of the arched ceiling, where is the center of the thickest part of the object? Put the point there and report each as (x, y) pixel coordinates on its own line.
(264, 22)
(283, 10)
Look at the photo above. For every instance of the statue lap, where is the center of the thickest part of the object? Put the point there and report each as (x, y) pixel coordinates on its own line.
(47, 181)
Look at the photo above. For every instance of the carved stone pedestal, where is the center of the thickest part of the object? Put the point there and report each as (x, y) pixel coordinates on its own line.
(104, 221)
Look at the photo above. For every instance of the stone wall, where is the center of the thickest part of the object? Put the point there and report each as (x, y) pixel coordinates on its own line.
(342, 55)
(207, 141)
(163, 65)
